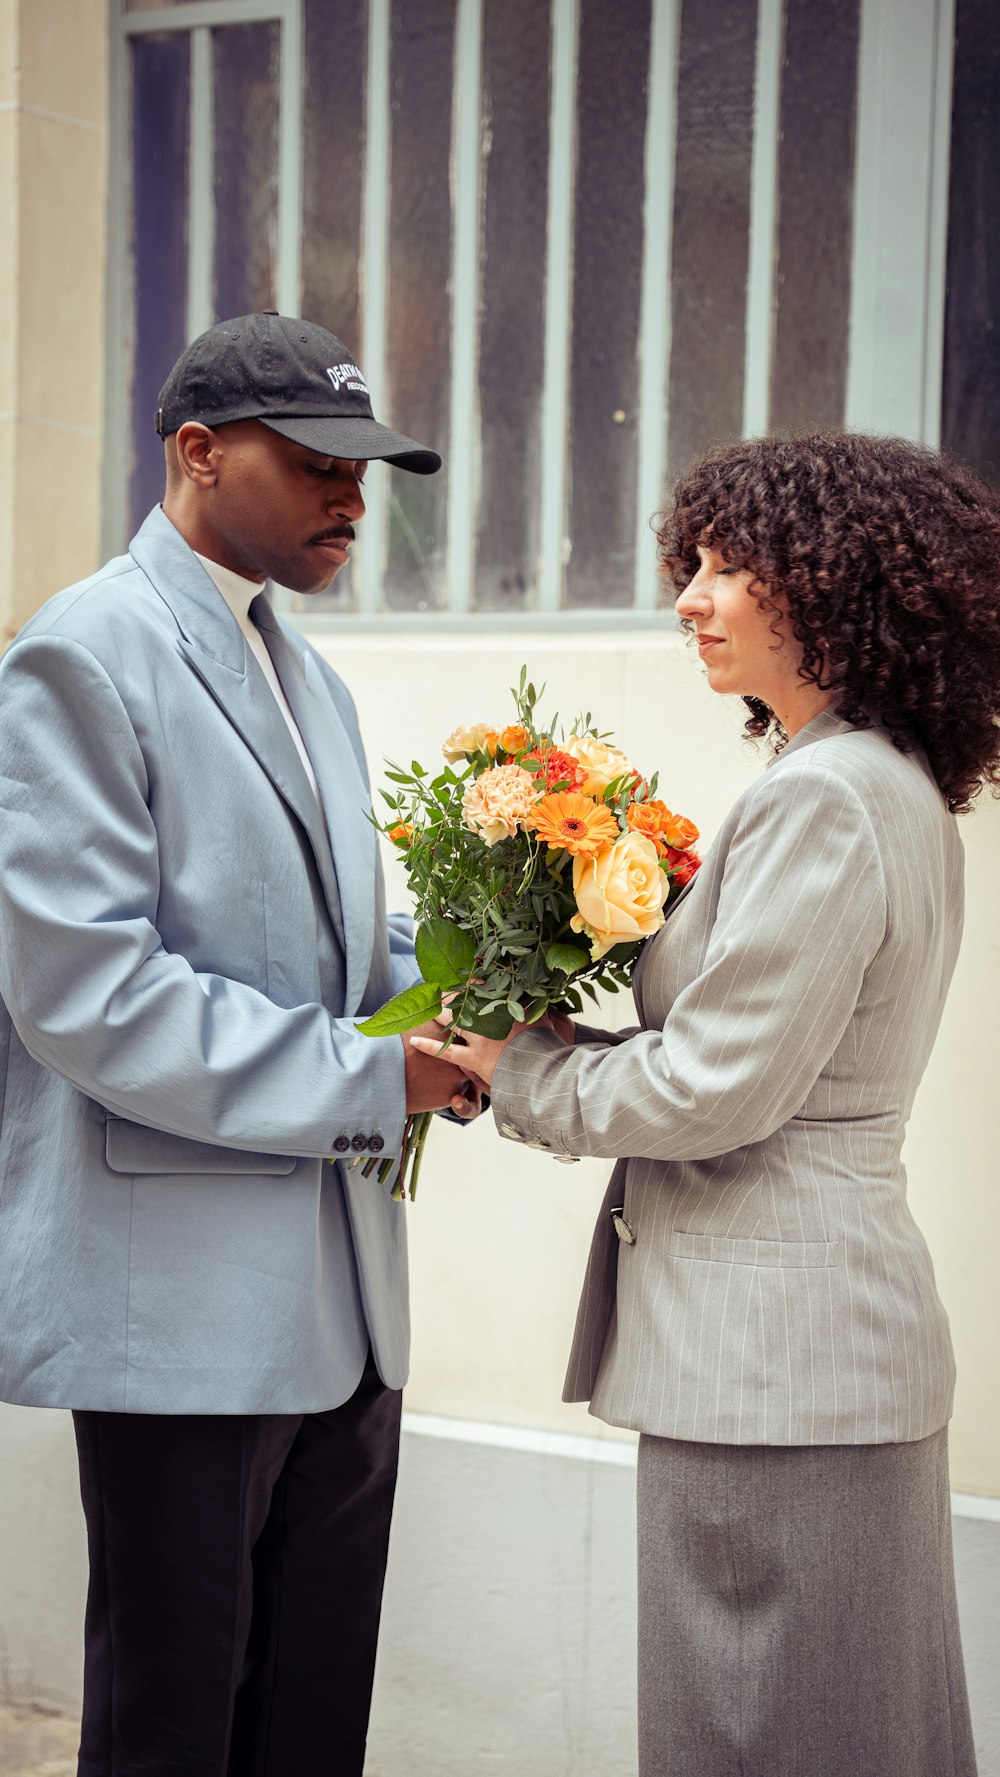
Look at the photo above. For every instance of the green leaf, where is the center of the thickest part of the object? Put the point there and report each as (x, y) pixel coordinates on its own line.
(408, 1009)
(445, 953)
(566, 957)
(620, 954)
(488, 1024)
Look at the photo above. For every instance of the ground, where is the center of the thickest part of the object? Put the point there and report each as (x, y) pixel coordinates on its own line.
(36, 1745)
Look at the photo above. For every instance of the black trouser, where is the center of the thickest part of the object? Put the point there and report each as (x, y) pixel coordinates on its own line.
(236, 1571)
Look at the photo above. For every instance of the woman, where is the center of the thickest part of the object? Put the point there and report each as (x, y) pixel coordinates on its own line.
(759, 1304)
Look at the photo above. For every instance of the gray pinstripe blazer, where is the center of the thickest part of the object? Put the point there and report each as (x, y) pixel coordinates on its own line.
(778, 1290)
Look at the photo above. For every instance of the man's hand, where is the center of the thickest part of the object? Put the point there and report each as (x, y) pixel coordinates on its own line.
(430, 1083)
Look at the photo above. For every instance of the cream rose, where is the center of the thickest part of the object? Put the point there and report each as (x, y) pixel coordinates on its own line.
(620, 894)
(499, 801)
(602, 764)
(475, 737)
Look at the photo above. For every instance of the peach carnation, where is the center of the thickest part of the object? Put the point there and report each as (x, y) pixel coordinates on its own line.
(583, 826)
(499, 802)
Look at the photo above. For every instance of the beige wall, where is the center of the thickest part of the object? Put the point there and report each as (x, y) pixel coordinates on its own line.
(499, 1235)
(53, 155)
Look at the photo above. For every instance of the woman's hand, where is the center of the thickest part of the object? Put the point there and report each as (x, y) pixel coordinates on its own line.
(477, 1056)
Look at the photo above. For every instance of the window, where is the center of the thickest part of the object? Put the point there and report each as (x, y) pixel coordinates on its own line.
(570, 243)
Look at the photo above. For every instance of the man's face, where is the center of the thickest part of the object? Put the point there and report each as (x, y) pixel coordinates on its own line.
(279, 510)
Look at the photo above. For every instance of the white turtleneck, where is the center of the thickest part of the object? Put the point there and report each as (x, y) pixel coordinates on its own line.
(239, 594)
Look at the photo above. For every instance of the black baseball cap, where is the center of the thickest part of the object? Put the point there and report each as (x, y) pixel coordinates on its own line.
(294, 377)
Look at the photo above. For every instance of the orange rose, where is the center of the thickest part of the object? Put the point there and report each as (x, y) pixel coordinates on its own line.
(683, 865)
(650, 818)
(402, 834)
(679, 832)
(514, 738)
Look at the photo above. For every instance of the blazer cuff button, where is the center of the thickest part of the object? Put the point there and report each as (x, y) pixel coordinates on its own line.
(359, 1142)
(341, 1144)
(376, 1143)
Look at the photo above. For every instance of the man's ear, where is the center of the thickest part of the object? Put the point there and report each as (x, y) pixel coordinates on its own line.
(198, 451)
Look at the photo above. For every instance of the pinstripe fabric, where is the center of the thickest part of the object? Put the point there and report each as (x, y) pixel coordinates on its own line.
(778, 1291)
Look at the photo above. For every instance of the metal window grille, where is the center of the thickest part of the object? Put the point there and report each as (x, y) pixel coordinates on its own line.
(571, 244)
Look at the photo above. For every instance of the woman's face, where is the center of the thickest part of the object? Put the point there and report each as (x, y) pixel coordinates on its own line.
(746, 650)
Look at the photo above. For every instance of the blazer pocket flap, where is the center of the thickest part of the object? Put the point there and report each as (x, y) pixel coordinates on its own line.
(131, 1147)
(783, 1255)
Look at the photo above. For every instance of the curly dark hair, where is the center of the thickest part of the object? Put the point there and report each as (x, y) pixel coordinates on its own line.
(884, 557)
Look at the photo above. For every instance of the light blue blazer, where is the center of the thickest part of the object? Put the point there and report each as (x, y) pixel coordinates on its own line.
(182, 957)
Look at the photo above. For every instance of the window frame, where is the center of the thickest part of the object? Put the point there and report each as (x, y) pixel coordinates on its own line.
(896, 330)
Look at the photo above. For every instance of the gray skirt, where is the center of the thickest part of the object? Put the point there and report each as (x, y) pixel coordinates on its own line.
(797, 1613)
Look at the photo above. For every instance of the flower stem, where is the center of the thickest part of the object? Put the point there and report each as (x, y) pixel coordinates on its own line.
(423, 1123)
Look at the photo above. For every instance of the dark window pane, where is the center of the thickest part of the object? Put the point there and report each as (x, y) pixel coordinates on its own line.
(815, 205)
(336, 61)
(419, 305)
(516, 54)
(336, 73)
(160, 68)
(711, 225)
(245, 68)
(607, 281)
(970, 420)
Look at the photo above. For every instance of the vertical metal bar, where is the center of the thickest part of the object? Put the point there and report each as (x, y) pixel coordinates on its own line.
(374, 261)
(201, 202)
(887, 352)
(654, 319)
(937, 245)
(763, 214)
(463, 466)
(288, 281)
(558, 302)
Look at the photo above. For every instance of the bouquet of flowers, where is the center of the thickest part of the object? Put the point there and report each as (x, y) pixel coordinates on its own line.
(538, 866)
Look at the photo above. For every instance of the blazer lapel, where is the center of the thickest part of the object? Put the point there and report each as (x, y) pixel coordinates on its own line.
(346, 802)
(214, 645)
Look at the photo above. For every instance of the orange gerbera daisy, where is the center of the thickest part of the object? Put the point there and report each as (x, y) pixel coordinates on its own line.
(574, 821)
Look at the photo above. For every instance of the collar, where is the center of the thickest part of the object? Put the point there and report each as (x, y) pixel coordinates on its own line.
(238, 592)
(822, 727)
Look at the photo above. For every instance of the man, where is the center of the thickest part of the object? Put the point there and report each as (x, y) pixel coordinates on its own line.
(191, 920)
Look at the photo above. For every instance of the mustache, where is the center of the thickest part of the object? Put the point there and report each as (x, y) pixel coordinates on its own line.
(338, 533)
